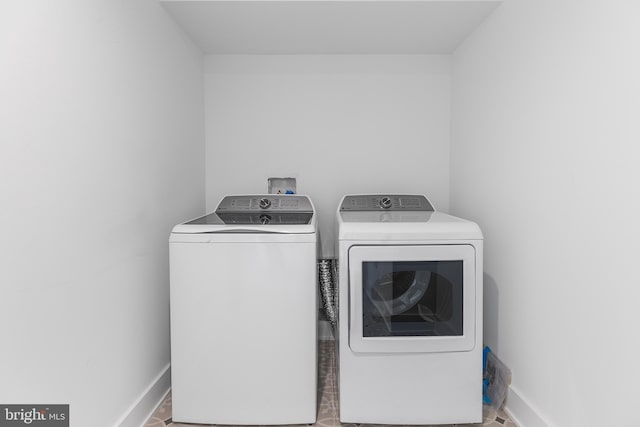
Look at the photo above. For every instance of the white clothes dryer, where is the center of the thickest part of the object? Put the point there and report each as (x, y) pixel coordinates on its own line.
(410, 313)
(244, 310)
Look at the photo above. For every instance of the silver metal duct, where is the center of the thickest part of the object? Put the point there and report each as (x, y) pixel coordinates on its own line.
(327, 289)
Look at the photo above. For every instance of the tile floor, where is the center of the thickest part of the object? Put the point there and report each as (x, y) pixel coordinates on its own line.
(328, 394)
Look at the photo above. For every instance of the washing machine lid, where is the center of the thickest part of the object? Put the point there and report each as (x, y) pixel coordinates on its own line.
(281, 214)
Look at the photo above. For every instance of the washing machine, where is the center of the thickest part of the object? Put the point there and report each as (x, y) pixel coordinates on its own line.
(410, 312)
(243, 284)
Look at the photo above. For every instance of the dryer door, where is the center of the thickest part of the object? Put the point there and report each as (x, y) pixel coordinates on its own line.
(412, 298)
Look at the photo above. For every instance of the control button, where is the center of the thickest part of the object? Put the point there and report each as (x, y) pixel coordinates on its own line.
(385, 203)
(265, 203)
(265, 219)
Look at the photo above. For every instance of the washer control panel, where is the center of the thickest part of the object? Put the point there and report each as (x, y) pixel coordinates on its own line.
(267, 202)
(391, 202)
(268, 209)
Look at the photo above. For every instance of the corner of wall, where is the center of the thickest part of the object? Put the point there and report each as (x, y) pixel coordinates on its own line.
(144, 406)
(522, 412)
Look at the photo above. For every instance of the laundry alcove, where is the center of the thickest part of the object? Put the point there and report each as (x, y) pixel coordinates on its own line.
(345, 96)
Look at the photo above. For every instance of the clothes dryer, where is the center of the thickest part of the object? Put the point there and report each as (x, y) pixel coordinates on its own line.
(410, 313)
(244, 313)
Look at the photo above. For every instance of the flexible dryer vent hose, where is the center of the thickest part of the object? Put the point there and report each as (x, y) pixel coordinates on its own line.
(327, 289)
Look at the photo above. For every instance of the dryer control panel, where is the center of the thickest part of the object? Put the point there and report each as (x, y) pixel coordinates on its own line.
(393, 202)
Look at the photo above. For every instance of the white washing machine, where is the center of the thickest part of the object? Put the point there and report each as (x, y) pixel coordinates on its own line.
(410, 313)
(244, 313)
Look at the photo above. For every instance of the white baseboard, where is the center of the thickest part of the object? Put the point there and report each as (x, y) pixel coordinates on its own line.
(140, 411)
(522, 412)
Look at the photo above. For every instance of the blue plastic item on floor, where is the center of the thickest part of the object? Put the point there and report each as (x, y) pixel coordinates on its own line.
(495, 381)
(485, 380)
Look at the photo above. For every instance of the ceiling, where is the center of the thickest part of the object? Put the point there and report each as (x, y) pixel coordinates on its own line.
(329, 26)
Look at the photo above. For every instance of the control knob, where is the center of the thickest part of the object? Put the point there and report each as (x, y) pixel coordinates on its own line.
(265, 203)
(385, 203)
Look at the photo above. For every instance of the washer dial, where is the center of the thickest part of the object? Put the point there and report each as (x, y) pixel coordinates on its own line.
(264, 203)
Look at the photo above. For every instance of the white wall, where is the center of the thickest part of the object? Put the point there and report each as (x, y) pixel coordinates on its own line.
(101, 152)
(339, 124)
(546, 100)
